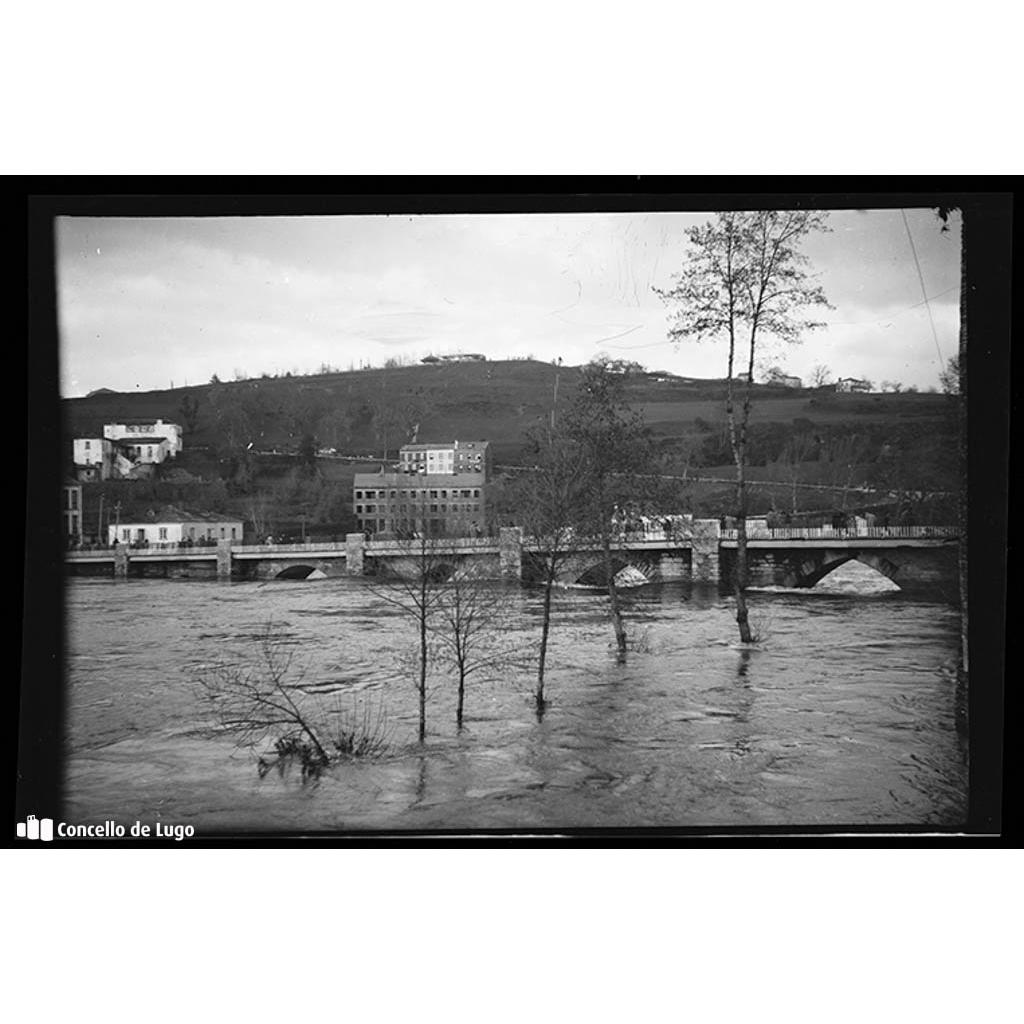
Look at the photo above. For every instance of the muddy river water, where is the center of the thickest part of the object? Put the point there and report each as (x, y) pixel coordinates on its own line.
(844, 714)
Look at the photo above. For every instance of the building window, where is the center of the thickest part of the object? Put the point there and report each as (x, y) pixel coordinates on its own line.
(433, 494)
(232, 533)
(359, 494)
(359, 509)
(476, 492)
(163, 533)
(87, 446)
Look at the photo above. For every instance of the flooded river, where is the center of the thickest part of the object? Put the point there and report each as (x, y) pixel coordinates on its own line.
(843, 714)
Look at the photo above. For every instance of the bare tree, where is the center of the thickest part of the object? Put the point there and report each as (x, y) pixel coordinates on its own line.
(821, 376)
(798, 450)
(262, 700)
(548, 502)
(618, 460)
(468, 631)
(745, 277)
(842, 455)
(412, 583)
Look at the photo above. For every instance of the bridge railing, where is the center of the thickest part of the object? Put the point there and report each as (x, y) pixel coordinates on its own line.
(844, 533)
(309, 546)
(454, 545)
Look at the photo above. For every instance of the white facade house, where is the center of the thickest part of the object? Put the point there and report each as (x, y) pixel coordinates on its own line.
(95, 457)
(448, 457)
(852, 384)
(173, 526)
(126, 450)
(147, 434)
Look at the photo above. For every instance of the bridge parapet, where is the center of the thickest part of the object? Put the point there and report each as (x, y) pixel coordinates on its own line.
(844, 533)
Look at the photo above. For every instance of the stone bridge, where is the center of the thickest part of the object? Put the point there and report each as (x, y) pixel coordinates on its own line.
(923, 557)
(698, 550)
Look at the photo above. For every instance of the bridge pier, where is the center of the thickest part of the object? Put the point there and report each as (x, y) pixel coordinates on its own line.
(510, 552)
(355, 549)
(121, 562)
(224, 559)
(705, 542)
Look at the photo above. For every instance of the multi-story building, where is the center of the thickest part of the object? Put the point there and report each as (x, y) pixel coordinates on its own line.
(71, 510)
(126, 450)
(450, 457)
(431, 504)
(94, 458)
(435, 489)
(150, 435)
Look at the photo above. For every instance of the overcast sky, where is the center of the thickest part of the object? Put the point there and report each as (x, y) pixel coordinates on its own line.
(147, 302)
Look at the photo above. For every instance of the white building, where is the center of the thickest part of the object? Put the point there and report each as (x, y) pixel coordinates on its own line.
(94, 458)
(147, 433)
(446, 458)
(175, 526)
(852, 384)
(126, 450)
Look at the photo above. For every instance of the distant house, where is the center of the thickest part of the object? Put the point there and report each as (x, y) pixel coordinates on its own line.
(788, 382)
(127, 450)
(464, 357)
(151, 441)
(172, 525)
(852, 384)
(94, 458)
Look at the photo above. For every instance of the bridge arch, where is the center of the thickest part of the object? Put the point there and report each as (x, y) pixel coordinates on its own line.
(815, 570)
(596, 574)
(300, 572)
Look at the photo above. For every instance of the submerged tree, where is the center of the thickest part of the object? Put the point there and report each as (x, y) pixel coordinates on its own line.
(412, 584)
(618, 461)
(744, 278)
(549, 501)
(262, 700)
(468, 631)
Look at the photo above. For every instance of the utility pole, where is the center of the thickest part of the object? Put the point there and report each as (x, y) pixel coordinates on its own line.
(553, 404)
(99, 530)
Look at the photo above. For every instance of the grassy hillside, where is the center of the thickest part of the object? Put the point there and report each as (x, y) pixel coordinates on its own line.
(361, 411)
(232, 428)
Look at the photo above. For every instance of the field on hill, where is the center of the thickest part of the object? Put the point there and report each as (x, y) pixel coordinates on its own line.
(254, 442)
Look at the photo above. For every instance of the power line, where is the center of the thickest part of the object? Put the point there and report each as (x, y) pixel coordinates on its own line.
(899, 312)
(924, 292)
